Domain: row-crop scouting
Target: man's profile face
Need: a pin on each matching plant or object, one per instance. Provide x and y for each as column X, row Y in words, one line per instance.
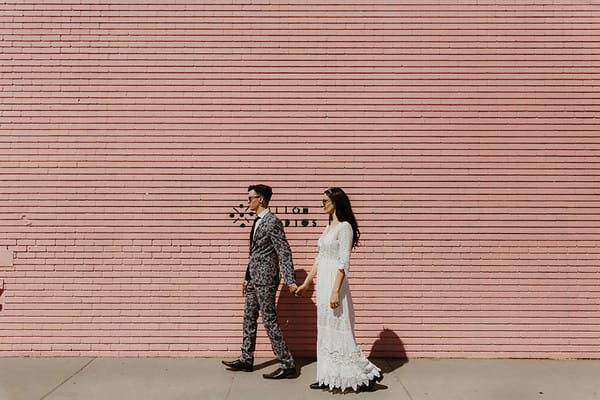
column 253, row 200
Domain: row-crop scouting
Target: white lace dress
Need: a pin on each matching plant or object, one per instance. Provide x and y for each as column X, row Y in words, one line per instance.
column 340, row 363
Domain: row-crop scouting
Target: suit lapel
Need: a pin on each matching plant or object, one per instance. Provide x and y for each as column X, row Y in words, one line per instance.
column 260, row 228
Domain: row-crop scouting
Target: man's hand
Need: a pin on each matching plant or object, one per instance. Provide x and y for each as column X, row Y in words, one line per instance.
column 244, row 285
column 293, row 287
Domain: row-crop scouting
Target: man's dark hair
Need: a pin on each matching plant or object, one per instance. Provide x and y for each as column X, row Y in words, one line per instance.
column 262, row 190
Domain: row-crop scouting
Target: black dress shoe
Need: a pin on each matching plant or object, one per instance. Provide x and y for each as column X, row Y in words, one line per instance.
column 288, row 373
column 371, row 385
column 237, row 365
column 318, row 385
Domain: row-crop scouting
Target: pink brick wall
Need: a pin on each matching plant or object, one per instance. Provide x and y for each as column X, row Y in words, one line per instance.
column 467, row 134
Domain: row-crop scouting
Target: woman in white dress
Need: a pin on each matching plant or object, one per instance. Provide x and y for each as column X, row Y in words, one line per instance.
column 340, row 362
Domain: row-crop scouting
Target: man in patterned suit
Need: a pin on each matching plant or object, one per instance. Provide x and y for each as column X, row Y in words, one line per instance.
column 268, row 248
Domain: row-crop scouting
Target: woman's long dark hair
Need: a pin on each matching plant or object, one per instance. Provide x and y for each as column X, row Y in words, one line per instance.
column 343, row 210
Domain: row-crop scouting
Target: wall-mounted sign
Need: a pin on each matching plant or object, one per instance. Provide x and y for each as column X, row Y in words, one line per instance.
column 290, row 216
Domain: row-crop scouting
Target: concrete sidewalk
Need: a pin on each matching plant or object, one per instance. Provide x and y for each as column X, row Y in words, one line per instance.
column 206, row 378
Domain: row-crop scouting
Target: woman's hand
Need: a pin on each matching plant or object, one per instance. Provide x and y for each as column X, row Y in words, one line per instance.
column 334, row 300
column 301, row 289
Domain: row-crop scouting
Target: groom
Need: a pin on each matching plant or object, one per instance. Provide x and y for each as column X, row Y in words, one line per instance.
column 268, row 248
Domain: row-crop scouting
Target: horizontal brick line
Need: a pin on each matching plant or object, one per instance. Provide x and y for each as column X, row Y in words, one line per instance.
column 357, row 277
column 356, row 110
column 170, row 110
column 361, row 275
column 241, row 98
column 103, row 216
column 188, row 231
column 300, row 20
column 407, row 198
column 200, row 313
column 88, row 103
column 226, row 182
column 205, row 26
column 180, row 226
column 426, row 283
column 354, row 3
column 307, row 14
column 51, row 189
column 293, row 54
column 53, row 193
column 400, row 40
column 118, row 143
column 322, row 80
column 578, row 132
column 438, row 138
column 356, row 44
column 263, row 98
column 524, row 31
column 245, row 69
column 193, row 189
column 354, row 6
column 119, row 301
column 375, row 214
column 296, row 54
column 201, row 235
column 341, row 46
column 404, row 168
column 149, row 151
column 171, row 140
column 410, row 265
column 397, row 41
column 416, row 9
column 360, row 284
column 79, row 329
column 126, row 157
column 317, row 89
column 128, row 118
column 243, row 61
column 306, row 88
column 131, row 158
column 404, row 304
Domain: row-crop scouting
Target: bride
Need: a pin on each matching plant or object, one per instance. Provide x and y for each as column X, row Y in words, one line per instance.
column 340, row 362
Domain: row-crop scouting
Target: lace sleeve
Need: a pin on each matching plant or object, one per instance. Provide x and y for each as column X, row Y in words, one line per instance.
column 346, row 234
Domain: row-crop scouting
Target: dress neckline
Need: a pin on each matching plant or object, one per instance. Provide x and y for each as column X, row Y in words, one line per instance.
column 330, row 228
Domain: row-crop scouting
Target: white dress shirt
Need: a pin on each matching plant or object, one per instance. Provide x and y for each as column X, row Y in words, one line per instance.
column 260, row 216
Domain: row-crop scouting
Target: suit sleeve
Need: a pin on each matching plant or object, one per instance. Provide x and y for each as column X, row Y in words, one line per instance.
column 284, row 252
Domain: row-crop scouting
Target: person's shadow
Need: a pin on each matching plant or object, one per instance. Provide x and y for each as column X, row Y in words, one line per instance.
column 388, row 353
column 298, row 321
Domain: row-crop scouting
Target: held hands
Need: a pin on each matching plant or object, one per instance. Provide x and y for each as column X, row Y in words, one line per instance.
column 293, row 288
column 334, row 300
column 301, row 289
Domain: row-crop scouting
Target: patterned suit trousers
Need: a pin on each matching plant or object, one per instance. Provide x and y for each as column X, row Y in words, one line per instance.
column 262, row 298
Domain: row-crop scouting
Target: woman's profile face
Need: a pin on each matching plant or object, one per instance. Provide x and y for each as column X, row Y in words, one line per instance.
column 328, row 206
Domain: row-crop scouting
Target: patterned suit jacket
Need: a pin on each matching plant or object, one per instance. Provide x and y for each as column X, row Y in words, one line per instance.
column 268, row 249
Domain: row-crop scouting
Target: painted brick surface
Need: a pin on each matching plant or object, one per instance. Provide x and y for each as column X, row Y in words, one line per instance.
column 466, row 133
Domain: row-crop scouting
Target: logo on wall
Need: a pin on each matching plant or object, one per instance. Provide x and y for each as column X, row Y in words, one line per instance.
column 241, row 215
column 290, row 216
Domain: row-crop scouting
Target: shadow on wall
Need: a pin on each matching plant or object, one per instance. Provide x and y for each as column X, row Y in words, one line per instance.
column 390, row 348
column 298, row 319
